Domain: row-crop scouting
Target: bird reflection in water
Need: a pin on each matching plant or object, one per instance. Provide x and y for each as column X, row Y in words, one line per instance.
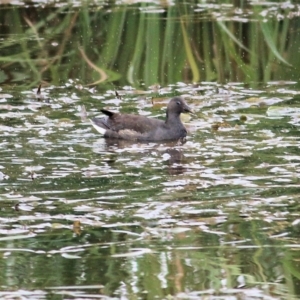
column 170, row 152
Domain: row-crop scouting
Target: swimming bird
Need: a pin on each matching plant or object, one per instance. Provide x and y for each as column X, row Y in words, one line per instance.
column 141, row 128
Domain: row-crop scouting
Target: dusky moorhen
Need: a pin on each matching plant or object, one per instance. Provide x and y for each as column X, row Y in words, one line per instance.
column 141, row 128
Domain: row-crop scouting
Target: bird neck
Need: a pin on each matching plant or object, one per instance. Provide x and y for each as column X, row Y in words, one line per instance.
column 173, row 118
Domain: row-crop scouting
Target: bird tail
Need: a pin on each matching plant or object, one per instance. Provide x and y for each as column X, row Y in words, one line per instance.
column 97, row 127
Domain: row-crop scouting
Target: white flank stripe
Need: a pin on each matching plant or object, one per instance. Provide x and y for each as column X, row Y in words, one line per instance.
column 98, row 128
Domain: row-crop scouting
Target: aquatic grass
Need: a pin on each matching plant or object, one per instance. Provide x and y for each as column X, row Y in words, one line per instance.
column 56, row 61
column 103, row 75
column 135, row 62
column 128, row 44
column 137, row 47
column 189, row 54
column 113, row 28
column 256, row 50
column 219, row 55
column 265, row 62
column 26, row 53
column 283, row 37
column 237, row 62
column 167, row 55
column 232, row 36
column 152, row 50
column 271, row 34
column 85, row 22
column 208, row 52
column 34, row 54
column 292, row 47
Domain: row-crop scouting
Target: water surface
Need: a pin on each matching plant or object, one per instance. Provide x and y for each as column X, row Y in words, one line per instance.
column 87, row 218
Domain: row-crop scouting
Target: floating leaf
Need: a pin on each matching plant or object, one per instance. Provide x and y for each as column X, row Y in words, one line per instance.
column 280, row 111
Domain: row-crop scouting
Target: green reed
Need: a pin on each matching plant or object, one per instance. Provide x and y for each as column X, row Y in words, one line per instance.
column 129, row 44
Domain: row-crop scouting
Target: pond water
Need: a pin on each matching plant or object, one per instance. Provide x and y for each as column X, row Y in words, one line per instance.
column 83, row 217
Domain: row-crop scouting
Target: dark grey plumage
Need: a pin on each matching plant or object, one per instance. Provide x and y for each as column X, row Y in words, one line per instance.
column 141, row 128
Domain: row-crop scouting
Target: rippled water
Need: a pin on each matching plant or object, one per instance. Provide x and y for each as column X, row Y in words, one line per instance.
column 83, row 216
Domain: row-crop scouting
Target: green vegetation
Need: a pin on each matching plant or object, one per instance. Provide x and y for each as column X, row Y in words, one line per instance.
column 131, row 44
column 215, row 217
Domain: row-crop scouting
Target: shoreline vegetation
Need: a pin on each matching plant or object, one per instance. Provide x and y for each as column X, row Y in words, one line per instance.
column 182, row 43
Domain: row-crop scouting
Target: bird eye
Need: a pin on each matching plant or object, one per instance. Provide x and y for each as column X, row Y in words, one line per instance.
column 178, row 103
